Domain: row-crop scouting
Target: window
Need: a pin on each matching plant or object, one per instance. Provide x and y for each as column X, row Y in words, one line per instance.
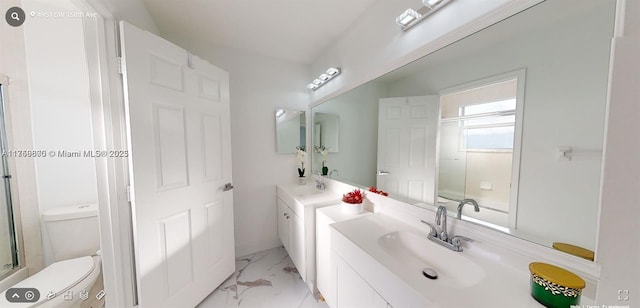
column 488, row 126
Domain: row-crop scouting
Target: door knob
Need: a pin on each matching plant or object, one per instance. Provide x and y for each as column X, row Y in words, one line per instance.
column 382, row 172
column 227, row 187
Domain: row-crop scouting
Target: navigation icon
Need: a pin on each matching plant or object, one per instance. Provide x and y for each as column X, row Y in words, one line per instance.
column 22, row 295
column 14, row 16
column 84, row 295
column 100, row 295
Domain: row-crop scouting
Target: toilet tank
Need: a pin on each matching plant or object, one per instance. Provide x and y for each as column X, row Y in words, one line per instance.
column 73, row 230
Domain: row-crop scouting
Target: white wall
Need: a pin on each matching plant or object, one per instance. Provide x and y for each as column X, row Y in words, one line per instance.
column 61, row 111
column 258, row 86
column 618, row 251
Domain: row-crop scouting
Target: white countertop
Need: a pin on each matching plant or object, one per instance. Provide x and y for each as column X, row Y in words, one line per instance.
column 307, row 195
column 336, row 213
column 503, row 282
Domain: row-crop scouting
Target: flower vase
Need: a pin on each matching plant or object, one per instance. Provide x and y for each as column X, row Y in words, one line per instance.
column 325, row 170
column 352, row 209
column 302, row 180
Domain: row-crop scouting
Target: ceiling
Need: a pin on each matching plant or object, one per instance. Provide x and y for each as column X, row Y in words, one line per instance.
column 293, row 30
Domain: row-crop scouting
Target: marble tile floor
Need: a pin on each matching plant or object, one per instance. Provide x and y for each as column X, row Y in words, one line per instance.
column 264, row 279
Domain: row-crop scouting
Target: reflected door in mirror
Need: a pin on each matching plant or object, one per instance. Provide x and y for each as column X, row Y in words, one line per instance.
column 407, row 132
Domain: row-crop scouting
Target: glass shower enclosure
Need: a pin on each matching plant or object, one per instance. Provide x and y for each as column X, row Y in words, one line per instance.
column 8, row 240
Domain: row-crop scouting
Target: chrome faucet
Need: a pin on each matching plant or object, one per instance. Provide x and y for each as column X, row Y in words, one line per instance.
column 467, row 201
column 319, row 183
column 441, row 219
column 442, row 238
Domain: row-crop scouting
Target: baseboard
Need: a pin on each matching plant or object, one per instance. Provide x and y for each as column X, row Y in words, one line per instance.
column 251, row 248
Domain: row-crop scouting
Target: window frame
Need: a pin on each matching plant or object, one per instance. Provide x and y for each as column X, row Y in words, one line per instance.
column 520, row 76
column 487, row 115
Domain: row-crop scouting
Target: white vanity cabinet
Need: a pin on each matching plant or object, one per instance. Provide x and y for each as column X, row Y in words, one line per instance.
column 325, row 258
column 352, row 290
column 297, row 206
column 291, row 233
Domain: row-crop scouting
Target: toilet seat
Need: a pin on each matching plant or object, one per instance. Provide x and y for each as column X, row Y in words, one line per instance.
column 58, row 277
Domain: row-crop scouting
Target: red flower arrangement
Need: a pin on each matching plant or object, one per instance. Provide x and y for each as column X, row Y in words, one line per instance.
column 374, row 190
column 353, row 197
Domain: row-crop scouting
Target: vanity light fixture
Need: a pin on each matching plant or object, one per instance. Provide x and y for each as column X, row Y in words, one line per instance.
column 411, row 17
column 332, row 71
column 325, row 77
column 406, row 18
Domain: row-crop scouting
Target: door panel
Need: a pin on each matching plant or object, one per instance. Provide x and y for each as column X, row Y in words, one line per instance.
column 407, row 135
column 177, row 111
column 170, row 152
column 176, row 233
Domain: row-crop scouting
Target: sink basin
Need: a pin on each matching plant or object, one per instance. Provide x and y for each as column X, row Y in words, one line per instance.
column 309, row 194
column 305, row 190
column 416, row 252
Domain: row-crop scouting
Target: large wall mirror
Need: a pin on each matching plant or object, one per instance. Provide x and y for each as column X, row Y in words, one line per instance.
column 512, row 117
column 291, row 130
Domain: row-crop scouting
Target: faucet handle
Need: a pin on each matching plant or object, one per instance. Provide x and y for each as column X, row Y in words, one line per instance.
column 461, row 237
column 457, row 241
column 434, row 231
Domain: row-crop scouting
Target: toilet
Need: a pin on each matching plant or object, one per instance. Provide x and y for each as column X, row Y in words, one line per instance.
column 74, row 237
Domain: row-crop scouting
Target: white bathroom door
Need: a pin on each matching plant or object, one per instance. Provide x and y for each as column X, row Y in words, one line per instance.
column 407, row 136
column 177, row 117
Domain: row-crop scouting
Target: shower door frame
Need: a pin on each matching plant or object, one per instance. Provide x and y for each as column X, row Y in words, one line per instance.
column 8, row 170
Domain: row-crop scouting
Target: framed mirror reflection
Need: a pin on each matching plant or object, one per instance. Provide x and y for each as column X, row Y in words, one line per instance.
column 512, row 117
